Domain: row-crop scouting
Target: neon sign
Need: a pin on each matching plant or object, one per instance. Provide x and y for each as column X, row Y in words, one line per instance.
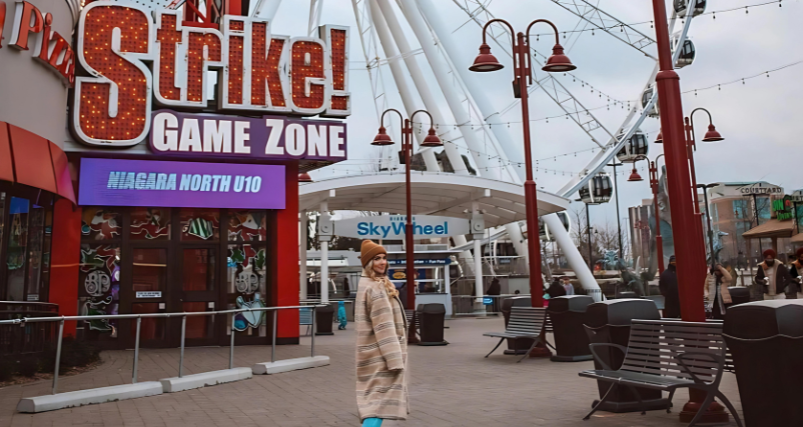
column 257, row 70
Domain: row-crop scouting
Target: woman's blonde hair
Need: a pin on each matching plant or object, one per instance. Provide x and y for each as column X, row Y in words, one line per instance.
column 369, row 272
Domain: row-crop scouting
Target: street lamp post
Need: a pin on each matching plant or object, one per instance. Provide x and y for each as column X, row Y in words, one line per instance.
column 618, row 220
column 634, row 176
column 705, row 188
column 558, row 62
column 431, row 140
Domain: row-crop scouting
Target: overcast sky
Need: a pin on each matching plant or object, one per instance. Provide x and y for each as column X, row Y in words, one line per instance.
column 760, row 119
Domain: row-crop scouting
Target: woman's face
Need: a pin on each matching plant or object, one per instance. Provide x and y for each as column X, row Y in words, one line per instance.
column 380, row 264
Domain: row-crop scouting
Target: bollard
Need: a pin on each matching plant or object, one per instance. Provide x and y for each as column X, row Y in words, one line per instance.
column 181, row 356
column 58, row 357
column 273, row 344
column 313, row 333
column 231, row 346
column 136, row 352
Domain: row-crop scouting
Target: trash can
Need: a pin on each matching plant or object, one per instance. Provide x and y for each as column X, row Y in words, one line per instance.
column 609, row 322
column 764, row 338
column 431, row 320
column 739, row 295
column 324, row 316
column 519, row 346
column 567, row 313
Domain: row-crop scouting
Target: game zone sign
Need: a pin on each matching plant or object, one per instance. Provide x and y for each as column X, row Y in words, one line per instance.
column 134, row 55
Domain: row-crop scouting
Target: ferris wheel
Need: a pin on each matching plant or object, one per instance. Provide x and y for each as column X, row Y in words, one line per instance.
column 476, row 125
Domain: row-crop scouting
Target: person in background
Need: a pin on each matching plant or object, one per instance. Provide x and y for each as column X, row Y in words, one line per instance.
column 341, row 315
column 346, row 288
column 517, row 292
column 668, row 285
column 555, row 290
column 796, row 269
column 494, row 291
column 716, row 290
column 774, row 277
column 567, row 285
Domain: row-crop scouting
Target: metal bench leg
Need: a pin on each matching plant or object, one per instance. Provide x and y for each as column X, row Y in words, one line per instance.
column 601, row 401
column 709, row 397
column 669, row 401
column 638, row 397
column 730, row 407
column 497, row 346
column 535, row 343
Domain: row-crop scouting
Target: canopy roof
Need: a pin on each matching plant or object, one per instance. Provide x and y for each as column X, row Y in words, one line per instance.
column 771, row 228
column 797, row 238
column 443, row 194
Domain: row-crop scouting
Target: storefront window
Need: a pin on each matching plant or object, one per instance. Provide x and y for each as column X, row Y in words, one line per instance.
column 150, row 224
column 246, row 278
column 247, row 226
column 35, row 251
column 17, row 247
column 200, row 224
column 149, row 270
column 199, row 270
column 99, row 285
column 198, row 326
column 100, row 224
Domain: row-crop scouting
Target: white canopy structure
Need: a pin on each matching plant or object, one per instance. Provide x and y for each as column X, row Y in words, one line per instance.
column 442, row 194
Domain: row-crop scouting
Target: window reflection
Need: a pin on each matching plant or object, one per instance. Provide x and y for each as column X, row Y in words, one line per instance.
column 17, row 247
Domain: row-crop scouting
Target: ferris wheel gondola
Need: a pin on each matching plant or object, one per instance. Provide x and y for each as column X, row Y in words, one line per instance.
column 645, row 99
column 598, row 190
column 681, row 7
column 634, row 149
column 543, row 229
column 687, row 52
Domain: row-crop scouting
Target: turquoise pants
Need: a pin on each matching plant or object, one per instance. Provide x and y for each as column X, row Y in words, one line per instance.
column 372, row 422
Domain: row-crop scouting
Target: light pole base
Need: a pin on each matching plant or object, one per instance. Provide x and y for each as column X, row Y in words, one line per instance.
column 714, row 414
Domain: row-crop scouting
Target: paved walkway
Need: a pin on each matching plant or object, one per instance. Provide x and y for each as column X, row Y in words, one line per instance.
column 451, row 386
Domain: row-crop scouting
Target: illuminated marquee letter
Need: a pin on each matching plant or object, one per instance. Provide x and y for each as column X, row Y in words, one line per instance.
column 113, row 108
column 253, row 79
column 310, row 93
column 337, row 44
column 182, row 62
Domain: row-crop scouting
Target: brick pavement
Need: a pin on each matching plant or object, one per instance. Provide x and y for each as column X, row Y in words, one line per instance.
column 451, row 386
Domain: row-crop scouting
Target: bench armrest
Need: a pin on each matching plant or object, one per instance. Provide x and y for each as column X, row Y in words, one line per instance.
column 719, row 360
column 593, row 346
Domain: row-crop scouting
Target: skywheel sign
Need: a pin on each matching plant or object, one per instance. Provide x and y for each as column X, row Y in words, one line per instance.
column 392, row 227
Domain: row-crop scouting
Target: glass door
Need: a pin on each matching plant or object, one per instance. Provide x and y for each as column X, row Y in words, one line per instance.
column 198, row 270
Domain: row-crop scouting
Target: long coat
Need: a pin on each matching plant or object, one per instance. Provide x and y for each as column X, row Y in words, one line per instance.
column 381, row 353
column 668, row 284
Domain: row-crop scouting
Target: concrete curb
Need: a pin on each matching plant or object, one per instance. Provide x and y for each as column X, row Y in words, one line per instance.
column 288, row 365
column 88, row 397
column 189, row 382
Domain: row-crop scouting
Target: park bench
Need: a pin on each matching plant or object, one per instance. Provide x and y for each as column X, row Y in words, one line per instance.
column 667, row 355
column 525, row 322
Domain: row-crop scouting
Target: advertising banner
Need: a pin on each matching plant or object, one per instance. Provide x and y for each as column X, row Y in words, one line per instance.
column 392, row 227
column 111, row 182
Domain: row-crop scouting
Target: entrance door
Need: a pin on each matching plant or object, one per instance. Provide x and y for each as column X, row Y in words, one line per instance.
column 149, row 279
column 199, row 292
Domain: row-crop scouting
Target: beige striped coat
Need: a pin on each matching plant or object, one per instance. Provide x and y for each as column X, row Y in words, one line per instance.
column 381, row 353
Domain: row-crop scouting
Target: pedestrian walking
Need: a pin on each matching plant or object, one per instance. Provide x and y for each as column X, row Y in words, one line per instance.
column 341, row 316
column 774, row 277
column 668, row 285
column 494, row 291
column 555, row 289
column 716, row 290
column 381, row 342
column 567, row 285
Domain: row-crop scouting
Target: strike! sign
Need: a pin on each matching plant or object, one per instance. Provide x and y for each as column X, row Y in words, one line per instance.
column 134, row 55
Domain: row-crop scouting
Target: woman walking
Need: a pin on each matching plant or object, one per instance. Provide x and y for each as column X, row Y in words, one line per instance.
column 381, row 342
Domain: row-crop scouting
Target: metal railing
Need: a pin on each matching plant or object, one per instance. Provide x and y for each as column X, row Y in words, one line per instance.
column 15, row 340
column 61, row 319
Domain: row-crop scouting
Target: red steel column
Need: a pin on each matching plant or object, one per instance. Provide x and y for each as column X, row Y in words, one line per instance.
column 286, row 286
column 65, row 257
column 687, row 240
